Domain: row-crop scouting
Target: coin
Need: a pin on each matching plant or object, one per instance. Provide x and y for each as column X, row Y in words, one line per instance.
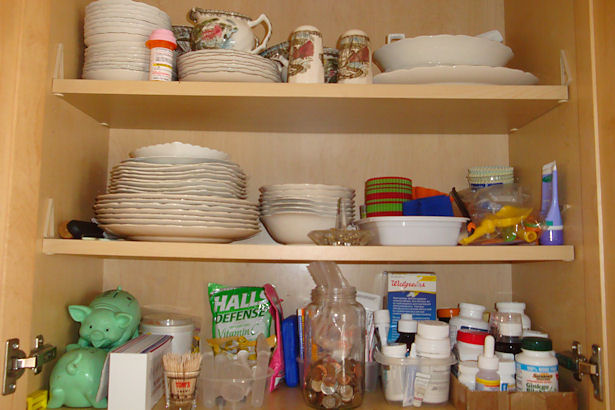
column 317, row 373
column 316, row 385
column 328, row 385
column 346, row 393
column 343, row 378
column 330, row 402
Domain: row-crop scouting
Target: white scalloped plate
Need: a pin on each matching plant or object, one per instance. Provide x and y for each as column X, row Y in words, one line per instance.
column 173, row 233
column 458, row 74
column 178, row 149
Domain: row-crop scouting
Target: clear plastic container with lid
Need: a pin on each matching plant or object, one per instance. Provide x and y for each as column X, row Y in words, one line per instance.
column 536, row 366
column 181, row 327
column 437, row 389
column 515, row 307
column 508, row 335
column 470, row 317
column 334, row 365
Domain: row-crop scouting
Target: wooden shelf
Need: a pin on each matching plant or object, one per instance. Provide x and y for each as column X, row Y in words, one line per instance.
column 342, row 108
column 306, row 253
column 285, row 398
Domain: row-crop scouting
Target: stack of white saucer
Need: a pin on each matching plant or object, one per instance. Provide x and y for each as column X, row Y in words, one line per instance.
column 227, row 65
column 115, row 33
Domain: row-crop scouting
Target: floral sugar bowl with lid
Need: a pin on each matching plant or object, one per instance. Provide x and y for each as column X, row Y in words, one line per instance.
column 216, row 29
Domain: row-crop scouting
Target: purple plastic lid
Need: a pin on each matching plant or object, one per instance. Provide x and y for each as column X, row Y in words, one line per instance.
column 164, row 35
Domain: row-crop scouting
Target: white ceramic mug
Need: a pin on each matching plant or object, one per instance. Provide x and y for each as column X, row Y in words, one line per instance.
column 355, row 58
column 305, row 56
column 225, row 29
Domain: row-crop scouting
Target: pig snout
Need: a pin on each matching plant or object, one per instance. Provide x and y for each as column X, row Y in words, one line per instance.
column 98, row 338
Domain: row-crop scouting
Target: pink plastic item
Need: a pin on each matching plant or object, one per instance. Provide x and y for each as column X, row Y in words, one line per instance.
column 277, row 359
column 163, row 35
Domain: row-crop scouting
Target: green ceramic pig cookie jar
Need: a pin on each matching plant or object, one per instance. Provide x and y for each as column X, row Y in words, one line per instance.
column 108, row 322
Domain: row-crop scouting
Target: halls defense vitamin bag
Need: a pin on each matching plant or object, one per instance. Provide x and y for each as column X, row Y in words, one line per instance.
column 240, row 311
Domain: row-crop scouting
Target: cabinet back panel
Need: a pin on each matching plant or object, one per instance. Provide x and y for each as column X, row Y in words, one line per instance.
column 376, row 18
column 435, row 161
column 347, row 159
column 182, row 286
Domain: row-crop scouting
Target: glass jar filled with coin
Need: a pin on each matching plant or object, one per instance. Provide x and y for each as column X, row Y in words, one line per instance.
column 334, row 370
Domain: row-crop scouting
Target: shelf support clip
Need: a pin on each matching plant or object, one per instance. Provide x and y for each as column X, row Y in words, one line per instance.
column 49, row 231
column 564, row 67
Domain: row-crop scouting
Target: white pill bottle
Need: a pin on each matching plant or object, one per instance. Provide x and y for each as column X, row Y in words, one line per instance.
column 536, row 366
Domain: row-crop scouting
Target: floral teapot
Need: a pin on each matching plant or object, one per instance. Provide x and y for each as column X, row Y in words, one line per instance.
column 227, row 30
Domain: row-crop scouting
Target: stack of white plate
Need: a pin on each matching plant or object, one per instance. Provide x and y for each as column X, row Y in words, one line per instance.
column 115, row 33
column 291, row 211
column 226, row 65
column 187, row 176
column 177, row 192
column 176, row 218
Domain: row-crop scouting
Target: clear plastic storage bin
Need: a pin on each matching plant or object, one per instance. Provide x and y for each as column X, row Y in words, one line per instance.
column 399, row 374
column 232, row 393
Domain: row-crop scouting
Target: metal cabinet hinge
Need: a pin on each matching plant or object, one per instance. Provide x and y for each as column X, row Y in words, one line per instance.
column 575, row 361
column 16, row 362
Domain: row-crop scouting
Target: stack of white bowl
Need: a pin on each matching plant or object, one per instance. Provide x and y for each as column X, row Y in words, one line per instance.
column 115, row 33
column 227, row 65
column 448, row 58
column 291, row 211
column 177, row 192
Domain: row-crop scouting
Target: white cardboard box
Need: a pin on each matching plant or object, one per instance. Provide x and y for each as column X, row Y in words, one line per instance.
column 135, row 373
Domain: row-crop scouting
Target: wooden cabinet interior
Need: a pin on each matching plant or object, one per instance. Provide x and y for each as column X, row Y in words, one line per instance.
column 77, row 152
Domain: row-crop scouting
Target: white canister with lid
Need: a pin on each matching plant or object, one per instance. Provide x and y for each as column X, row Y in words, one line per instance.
column 392, row 375
column 515, row 307
column 470, row 317
column 535, row 333
column 181, row 327
column 506, row 371
column 467, row 373
column 469, row 344
column 432, row 343
column 432, row 339
column 536, row 368
column 432, row 329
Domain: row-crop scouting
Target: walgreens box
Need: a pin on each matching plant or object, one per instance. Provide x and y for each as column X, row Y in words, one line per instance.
column 410, row 292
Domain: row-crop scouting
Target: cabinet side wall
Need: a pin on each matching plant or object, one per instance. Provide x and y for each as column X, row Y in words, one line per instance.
column 604, row 32
column 562, row 298
column 21, row 115
column 73, row 172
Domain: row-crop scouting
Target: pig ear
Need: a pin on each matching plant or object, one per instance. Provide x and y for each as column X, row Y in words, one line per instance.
column 79, row 312
column 123, row 319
